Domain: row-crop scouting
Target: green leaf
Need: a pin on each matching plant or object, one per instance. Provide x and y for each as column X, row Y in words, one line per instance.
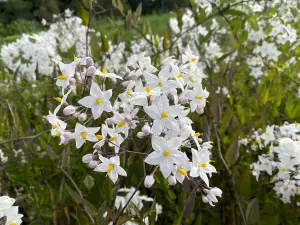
column 74, row 195
column 179, row 17
column 252, row 212
column 90, row 207
column 233, row 152
column 104, row 42
column 234, row 12
column 89, row 182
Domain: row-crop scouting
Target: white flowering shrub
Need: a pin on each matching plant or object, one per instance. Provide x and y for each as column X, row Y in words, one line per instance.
column 8, row 213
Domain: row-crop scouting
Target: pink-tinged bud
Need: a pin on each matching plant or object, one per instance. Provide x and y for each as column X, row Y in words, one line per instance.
column 75, row 115
column 149, row 181
column 110, row 121
column 183, row 100
column 89, row 62
column 87, row 158
column 82, row 117
column 69, row 110
column 72, row 81
column 146, row 129
column 204, row 199
column 140, row 135
column 93, row 164
column 172, row 180
column 90, row 71
column 68, row 136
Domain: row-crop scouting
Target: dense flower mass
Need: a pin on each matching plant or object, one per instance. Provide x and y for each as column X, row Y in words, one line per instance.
column 156, row 103
column 279, row 157
column 8, row 213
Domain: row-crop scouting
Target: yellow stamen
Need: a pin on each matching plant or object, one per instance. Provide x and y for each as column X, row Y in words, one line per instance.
column 296, row 125
column 164, row 115
column 160, row 84
column 199, row 97
column 83, row 135
column 121, row 124
column 197, row 134
column 113, row 139
column 58, row 99
column 12, row 223
column 192, row 79
column 193, row 59
column 182, row 171
column 148, row 89
column 297, row 190
column 179, row 75
column 265, row 163
column 129, row 92
column 99, row 137
column 167, row 153
column 54, row 126
column 59, row 133
column 282, row 169
column 110, row 168
column 104, row 70
column 99, row 101
column 203, row 165
column 62, row 77
column 75, row 58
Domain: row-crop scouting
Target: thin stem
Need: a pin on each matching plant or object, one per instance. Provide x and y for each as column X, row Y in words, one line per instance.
column 236, row 195
column 25, row 138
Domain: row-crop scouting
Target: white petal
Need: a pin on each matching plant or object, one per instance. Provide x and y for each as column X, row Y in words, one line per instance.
column 113, row 175
column 95, row 90
column 87, row 101
column 97, row 111
column 171, row 123
column 157, row 127
column 154, row 158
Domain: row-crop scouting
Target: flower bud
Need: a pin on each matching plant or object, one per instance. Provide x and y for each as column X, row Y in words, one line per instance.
column 140, row 135
column 128, row 119
column 68, row 136
column 69, row 110
column 149, row 181
column 90, row 71
column 183, row 100
column 72, row 81
column 82, row 117
column 204, row 199
column 172, row 180
column 89, row 62
column 87, row 158
column 93, row 164
column 146, row 129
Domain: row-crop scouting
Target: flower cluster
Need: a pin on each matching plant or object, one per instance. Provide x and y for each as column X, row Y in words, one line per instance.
column 279, row 157
column 144, row 101
column 8, row 213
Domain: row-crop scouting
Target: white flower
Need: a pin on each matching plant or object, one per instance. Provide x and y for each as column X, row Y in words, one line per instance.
column 165, row 154
column 180, row 170
column 197, row 97
column 83, row 133
column 111, row 167
column 9, row 211
column 201, row 165
column 105, row 74
column 212, row 195
column 163, row 115
column 98, row 101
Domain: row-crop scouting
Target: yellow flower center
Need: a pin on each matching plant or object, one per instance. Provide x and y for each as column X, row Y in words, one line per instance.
column 58, row 99
column 104, row 70
column 265, row 163
column 99, row 101
column 193, row 59
column 282, row 169
column 167, row 153
column 62, row 77
column 199, row 97
column 297, row 190
column 12, row 223
column 113, row 139
column 296, row 124
column 192, row 79
column 202, row 165
column 59, row 133
column 197, row 134
column 75, row 58
column 54, row 126
column 182, row 171
column 110, row 168
column 129, row 92
column 121, row 124
column 164, row 115
column 99, row 137
column 160, row 84
column 179, row 75
column 148, row 89
column 83, row 135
